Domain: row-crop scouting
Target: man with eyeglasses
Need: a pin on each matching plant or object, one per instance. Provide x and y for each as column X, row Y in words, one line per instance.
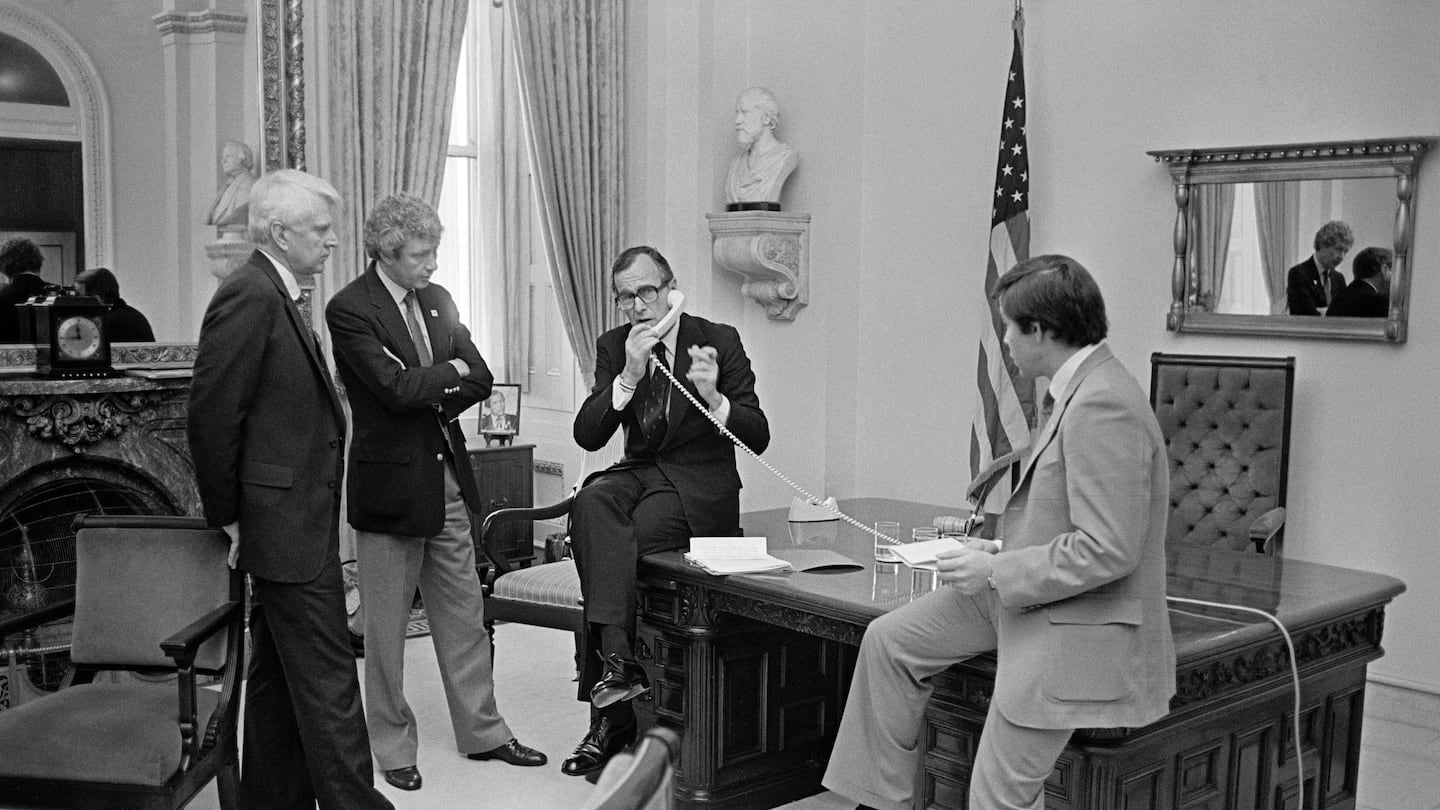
column 677, row 479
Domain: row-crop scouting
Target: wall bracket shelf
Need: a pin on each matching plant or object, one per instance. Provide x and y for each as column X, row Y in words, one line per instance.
column 770, row 250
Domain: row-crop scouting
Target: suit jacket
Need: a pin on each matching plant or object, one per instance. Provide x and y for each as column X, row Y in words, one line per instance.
column 1304, row 294
column 403, row 415
column 266, row 427
column 1360, row 300
column 1083, row 629
column 127, row 324
column 20, row 289
column 696, row 457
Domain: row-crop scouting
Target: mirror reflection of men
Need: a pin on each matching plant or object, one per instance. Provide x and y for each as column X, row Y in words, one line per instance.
column 1368, row 296
column 20, row 263
column 1311, row 285
column 229, row 211
column 758, row 173
column 495, row 419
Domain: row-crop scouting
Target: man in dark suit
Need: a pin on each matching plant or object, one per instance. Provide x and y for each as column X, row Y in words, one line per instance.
column 1368, row 296
column 20, row 263
column 410, row 369
column 1311, row 285
column 677, row 479
column 266, row 432
column 1071, row 594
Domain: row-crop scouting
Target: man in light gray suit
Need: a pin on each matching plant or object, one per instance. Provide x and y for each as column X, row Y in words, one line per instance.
column 1072, row 596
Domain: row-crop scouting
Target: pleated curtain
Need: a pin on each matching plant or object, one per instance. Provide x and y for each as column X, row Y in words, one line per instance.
column 1216, row 203
column 393, row 67
column 1277, row 221
column 571, row 60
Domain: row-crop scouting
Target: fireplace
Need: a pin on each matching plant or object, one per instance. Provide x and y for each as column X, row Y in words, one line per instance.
column 69, row 447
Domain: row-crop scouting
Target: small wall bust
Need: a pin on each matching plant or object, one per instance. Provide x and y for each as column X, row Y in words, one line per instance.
column 231, row 209
column 758, row 173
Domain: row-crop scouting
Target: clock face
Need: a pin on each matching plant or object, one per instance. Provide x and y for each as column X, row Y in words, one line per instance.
column 78, row 337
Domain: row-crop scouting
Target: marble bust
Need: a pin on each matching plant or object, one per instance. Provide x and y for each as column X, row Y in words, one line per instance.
column 231, row 209
column 758, row 173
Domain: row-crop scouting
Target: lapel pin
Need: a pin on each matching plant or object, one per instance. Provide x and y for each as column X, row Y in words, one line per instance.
column 434, row 314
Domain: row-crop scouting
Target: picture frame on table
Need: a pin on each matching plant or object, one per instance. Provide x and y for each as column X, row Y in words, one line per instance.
column 500, row 414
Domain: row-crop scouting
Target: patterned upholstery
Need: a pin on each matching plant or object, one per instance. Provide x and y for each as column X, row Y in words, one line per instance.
column 1226, row 422
column 554, row 583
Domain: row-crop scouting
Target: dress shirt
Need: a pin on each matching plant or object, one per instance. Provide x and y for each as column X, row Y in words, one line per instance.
column 1067, row 369
column 398, row 294
column 620, row 397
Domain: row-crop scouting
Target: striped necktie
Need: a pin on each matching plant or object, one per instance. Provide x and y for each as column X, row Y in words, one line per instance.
column 412, row 320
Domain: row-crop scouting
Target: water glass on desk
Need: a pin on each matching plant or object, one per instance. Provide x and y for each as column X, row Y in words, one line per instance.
column 885, row 549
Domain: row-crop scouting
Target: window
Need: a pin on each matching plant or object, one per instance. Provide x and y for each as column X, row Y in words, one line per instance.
column 485, row 137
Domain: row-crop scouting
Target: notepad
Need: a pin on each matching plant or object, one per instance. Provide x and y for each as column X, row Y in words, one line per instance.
column 924, row 553
column 732, row 555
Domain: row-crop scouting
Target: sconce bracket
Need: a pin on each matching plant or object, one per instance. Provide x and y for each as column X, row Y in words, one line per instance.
column 770, row 250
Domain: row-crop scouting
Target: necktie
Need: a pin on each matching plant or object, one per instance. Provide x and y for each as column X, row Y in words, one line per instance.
column 412, row 320
column 653, row 420
column 1047, row 406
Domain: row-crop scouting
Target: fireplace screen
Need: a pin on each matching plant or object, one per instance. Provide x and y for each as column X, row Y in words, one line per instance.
column 37, row 568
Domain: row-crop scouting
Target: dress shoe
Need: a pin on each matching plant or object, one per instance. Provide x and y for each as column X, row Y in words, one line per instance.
column 407, row 778
column 606, row 738
column 622, row 679
column 513, row 753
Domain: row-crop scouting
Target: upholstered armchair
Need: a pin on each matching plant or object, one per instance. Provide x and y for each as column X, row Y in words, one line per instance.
column 1226, row 422
column 147, row 714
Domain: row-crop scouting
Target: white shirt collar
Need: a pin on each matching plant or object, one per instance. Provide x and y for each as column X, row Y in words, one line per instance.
column 396, row 291
column 1067, row 370
column 292, row 287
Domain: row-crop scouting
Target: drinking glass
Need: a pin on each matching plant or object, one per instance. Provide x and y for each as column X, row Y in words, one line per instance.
column 884, row 550
column 923, row 533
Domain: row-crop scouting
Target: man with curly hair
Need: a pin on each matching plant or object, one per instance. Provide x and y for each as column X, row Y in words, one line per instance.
column 20, row 263
column 410, row 369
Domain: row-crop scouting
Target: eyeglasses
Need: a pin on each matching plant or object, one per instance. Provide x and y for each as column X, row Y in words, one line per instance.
column 646, row 294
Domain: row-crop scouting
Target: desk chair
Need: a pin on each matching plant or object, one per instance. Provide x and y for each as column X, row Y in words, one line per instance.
column 1226, row 422
column 639, row 780
column 147, row 714
column 546, row 595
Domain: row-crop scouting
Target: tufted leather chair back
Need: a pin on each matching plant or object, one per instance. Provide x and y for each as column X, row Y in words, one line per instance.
column 1226, row 422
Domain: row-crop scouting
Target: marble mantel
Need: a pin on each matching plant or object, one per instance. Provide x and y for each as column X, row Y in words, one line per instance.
column 125, row 430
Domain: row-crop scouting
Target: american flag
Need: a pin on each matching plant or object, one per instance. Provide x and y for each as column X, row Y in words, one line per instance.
column 1006, row 410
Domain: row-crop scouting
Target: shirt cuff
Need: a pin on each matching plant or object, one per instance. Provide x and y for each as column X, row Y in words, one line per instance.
column 619, row 395
column 460, row 366
column 722, row 413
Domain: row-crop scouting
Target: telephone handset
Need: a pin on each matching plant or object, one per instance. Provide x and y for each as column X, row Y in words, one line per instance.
column 676, row 299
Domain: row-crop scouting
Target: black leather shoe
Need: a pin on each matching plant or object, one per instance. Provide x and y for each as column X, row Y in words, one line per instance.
column 606, row 739
column 407, row 778
column 513, row 753
column 623, row 679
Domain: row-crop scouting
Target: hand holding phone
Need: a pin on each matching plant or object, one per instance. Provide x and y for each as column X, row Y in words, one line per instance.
column 676, row 299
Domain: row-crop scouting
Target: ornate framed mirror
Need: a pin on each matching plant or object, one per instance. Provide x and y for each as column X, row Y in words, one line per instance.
column 281, row 125
column 1251, row 225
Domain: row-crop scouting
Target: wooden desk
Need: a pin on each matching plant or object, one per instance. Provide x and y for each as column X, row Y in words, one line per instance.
column 754, row 671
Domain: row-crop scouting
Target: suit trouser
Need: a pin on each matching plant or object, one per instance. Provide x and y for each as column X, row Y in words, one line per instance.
column 877, row 751
column 305, row 737
column 619, row 516
column 443, row 567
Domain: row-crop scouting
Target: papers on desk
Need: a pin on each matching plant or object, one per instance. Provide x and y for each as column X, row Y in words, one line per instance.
column 732, row 555
column 923, row 554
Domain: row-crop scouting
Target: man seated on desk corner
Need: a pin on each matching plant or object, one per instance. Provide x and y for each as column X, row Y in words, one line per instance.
column 1073, row 601
column 677, row 478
